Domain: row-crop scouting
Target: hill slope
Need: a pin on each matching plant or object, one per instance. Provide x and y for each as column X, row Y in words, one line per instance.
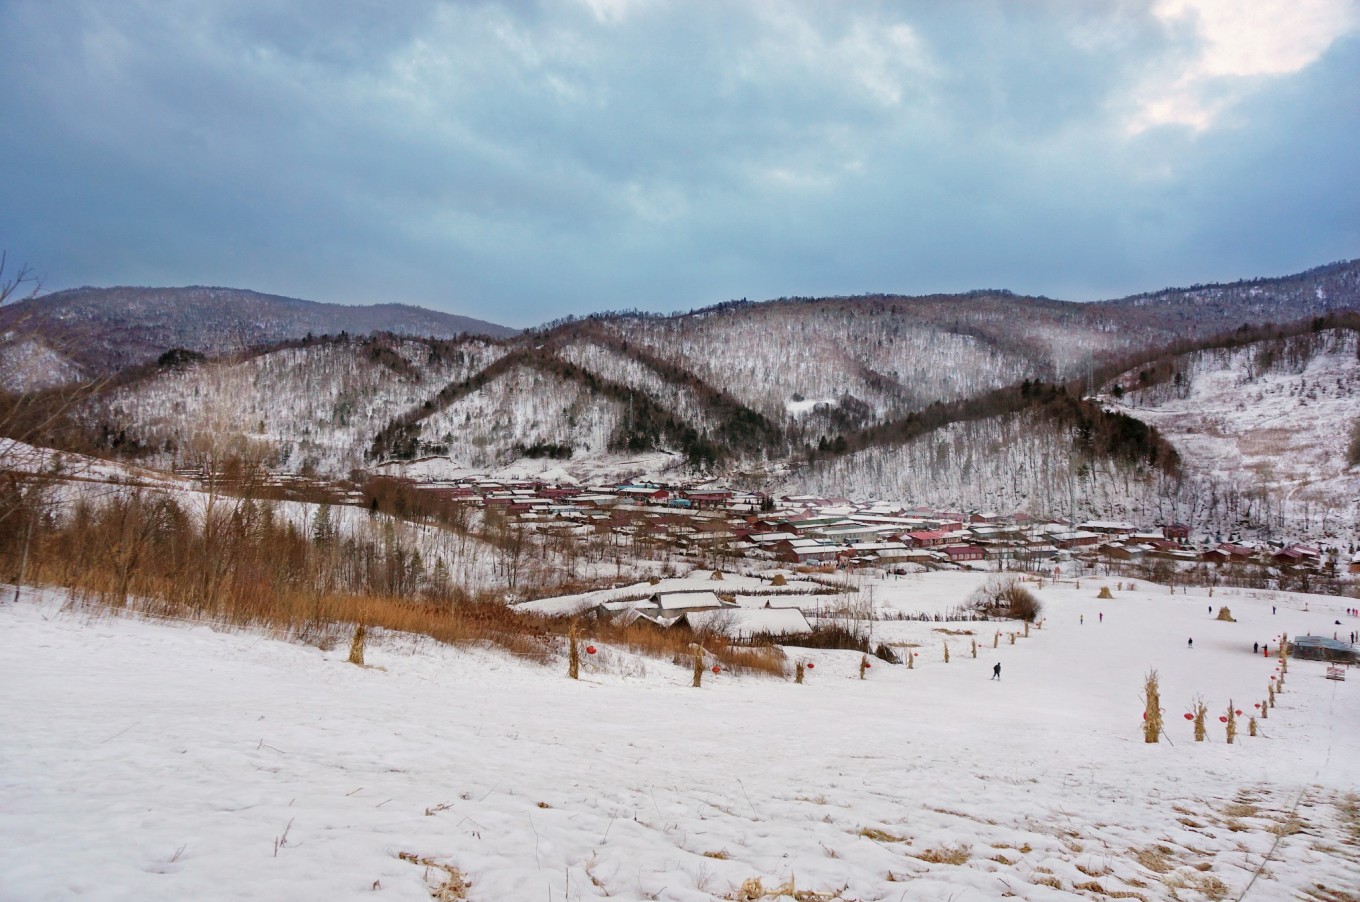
column 383, row 781
column 1268, row 423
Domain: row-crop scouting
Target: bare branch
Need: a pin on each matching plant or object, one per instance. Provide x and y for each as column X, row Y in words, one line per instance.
column 24, row 285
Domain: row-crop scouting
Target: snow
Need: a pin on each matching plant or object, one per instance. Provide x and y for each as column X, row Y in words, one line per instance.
column 799, row 408
column 29, row 364
column 1279, row 424
column 153, row 760
column 696, row 582
column 22, row 457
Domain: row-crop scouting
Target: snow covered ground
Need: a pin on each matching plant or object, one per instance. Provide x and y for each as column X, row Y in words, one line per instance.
column 146, row 760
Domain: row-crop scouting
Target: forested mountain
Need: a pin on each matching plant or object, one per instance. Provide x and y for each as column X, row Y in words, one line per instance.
column 830, row 364
column 985, row 399
column 317, row 404
column 1256, row 437
column 95, row 331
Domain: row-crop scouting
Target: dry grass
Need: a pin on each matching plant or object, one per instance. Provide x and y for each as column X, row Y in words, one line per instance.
column 754, row 890
column 1207, row 884
column 1157, row 859
column 1241, row 809
column 449, row 885
column 643, row 638
column 1287, row 827
column 1047, row 880
column 1152, row 708
column 878, row 835
column 963, row 814
column 1092, row 886
column 249, row 567
column 720, row 855
column 356, row 645
column 950, row 854
column 1348, row 808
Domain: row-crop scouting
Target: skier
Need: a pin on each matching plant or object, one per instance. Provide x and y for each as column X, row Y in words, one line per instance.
column 996, row 671
column 1190, row 643
column 1255, row 647
column 1102, row 616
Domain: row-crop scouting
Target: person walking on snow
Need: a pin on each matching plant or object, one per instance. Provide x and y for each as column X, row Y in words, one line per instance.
column 996, row 671
column 1191, row 643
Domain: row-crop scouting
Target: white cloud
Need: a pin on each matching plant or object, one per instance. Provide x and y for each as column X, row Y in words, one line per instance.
column 1236, row 45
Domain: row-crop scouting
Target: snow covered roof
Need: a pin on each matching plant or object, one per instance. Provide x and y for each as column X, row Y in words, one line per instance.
column 679, row 601
column 1107, row 526
column 1321, row 642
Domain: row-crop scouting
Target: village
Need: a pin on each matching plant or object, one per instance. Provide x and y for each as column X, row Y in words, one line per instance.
column 712, row 524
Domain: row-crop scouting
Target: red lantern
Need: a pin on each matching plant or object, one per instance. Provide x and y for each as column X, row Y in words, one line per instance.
column 810, row 665
column 1256, row 705
column 590, row 649
column 1144, row 715
column 1222, row 719
column 867, row 665
column 1238, row 712
column 1188, row 716
column 717, row 669
column 1272, row 676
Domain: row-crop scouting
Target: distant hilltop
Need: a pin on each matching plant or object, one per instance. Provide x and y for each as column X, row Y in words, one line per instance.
column 100, row 330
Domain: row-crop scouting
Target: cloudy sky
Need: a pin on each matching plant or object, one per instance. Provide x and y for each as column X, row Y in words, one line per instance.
column 521, row 161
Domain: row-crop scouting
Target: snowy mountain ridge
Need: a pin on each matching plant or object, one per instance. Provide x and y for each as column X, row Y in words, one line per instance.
column 962, row 401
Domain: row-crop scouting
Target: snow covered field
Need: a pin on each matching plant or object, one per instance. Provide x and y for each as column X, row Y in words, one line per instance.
column 143, row 760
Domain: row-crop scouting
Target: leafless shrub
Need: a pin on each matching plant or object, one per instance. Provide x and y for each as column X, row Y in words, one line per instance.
column 1006, row 596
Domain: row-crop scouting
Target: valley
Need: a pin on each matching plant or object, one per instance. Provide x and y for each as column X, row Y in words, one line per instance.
column 770, row 519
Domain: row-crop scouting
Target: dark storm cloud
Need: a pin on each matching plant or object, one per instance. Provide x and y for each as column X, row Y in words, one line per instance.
column 522, row 161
